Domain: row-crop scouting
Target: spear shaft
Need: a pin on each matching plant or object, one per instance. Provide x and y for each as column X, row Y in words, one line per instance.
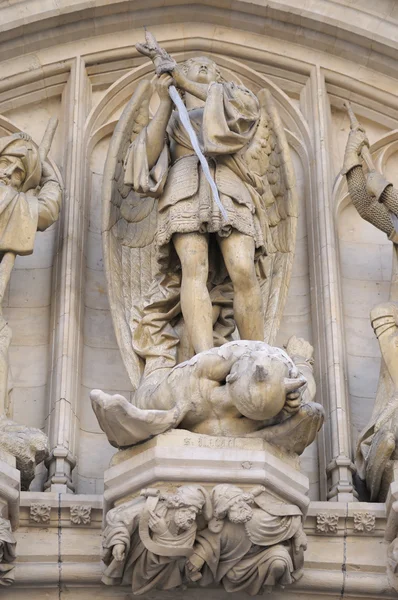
column 354, row 124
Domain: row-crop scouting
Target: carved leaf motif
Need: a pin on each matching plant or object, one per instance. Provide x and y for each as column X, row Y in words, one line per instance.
column 364, row 522
column 80, row 514
column 326, row 523
column 40, row 513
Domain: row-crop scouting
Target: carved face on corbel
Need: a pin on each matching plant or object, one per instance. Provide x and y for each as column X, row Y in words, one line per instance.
column 240, row 512
column 232, row 502
column 12, row 171
column 185, row 517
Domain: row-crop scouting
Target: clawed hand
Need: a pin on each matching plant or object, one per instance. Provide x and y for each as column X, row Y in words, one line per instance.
column 292, row 404
column 299, row 347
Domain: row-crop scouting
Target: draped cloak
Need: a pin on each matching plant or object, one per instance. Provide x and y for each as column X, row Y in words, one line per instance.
column 142, row 569
column 240, row 557
column 24, row 212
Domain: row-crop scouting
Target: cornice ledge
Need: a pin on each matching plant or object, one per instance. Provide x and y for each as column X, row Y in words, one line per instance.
column 359, row 24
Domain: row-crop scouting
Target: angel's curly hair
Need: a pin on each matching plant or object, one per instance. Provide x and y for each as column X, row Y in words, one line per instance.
column 186, row 65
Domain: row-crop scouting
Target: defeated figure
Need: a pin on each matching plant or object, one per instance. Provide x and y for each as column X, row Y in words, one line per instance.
column 243, row 388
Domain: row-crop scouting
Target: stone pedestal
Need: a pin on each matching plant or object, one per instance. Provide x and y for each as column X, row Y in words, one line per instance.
column 9, row 489
column 181, row 458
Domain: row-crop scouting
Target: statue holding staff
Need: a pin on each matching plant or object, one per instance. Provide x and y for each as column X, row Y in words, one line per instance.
column 219, row 258
column 376, row 200
column 30, row 201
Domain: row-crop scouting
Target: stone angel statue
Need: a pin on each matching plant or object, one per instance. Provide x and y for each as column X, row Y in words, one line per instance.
column 180, row 275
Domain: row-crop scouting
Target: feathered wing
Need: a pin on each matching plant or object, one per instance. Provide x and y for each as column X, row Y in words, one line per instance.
column 129, row 226
column 268, row 157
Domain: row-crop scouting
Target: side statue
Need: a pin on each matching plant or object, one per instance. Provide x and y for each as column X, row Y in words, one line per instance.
column 376, row 200
column 240, row 539
column 7, row 553
column 30, row 201
column 182, row 275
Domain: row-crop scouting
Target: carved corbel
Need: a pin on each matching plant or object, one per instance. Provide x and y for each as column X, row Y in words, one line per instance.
column 219, row 537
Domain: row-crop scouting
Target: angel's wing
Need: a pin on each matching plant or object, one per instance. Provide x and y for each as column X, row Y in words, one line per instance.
column 268, row 156
column 129, row 226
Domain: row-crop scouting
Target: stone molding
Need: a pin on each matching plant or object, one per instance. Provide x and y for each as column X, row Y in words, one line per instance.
column 165, row 458
column 325, row 24
column 66, row 510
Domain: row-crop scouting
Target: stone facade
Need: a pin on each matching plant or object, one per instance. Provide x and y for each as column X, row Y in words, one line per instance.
column 78, row 62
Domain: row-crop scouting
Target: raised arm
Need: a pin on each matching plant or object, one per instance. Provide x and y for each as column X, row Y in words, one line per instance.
column 49, row 198
column 156, row 130
column 368, row 206
column 367, row 201
column 164, row 63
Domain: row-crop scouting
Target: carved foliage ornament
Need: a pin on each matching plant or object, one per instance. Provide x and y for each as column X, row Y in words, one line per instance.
column 240, row 539
column 327, row 523
column 80, row 514
column 40, row 512
column 364, row 522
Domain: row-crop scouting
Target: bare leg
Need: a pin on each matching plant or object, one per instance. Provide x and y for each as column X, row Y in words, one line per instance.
column 192, row 250
column 238, row 252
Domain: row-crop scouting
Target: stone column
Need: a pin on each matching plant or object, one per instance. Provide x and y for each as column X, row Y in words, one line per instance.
column 68, row 290
column 327, row 299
